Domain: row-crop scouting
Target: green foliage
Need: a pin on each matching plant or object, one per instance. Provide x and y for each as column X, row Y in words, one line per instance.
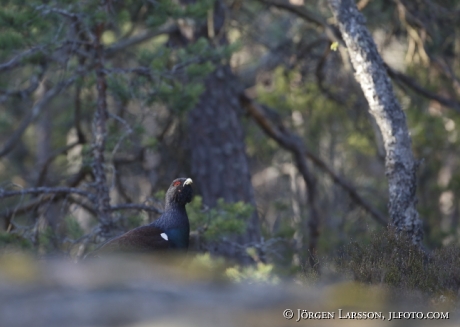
column 147, row 79
column 5, row 121
column 160, row 195
column 14, row 241
column 225, row 218
column 119, row 87
column 204, row 260
column 117, row 137
column 86, row 155
column 165, row 9
column 178, row 97
column 46, row 240
column 150, row 143
column 73, row 228
column 123, row 16
column 169, row 68
column 260, row 273
column 285, row 230
column 158, row 61
column 199, row 70
column 21, row 25
column 133, row 221
column 94, row 13
column 289, row 94
column 198, row 9
column 10, row 39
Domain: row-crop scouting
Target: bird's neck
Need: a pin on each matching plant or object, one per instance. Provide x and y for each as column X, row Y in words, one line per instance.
column 173, row 206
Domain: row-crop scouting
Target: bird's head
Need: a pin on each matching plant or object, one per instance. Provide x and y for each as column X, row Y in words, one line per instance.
column 180, row 192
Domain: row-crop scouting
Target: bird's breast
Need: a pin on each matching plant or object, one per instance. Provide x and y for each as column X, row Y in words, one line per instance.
column 178, row 237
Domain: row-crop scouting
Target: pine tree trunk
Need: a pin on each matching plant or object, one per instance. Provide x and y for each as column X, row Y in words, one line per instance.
column 218, row 156
column 371, row 74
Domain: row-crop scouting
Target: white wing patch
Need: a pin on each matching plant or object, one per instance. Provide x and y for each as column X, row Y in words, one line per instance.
column 164, row 236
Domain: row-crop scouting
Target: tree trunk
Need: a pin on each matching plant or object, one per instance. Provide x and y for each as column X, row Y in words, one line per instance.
column 218, row 155
column 102, row 201
column 219, row 164
column 371, row 74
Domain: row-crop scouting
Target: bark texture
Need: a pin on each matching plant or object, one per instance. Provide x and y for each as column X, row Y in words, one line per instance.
column 371, row 74
column 220, row 167
column 218, row 155
column 102, row 202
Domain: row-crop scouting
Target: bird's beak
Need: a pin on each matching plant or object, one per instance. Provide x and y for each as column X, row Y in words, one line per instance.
column 188, row 181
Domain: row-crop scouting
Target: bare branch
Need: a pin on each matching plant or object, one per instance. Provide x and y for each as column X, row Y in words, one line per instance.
column 128, row 131
column 77, row 115
column 320, row 78
column 134, row 206
column 448, row 72
column 46, row 190
column 275, row 129
column 73, row 182
column 332, row 33
column 410, row 82
column 45, row 9
column 33, row 205
column 119, row 185
column 138, row 39
column 8, row 213
column 16, row 60
column 334, row 36
column 84, row 204
column 49, row 160
column 294, row 144
column 33, row 114
column 24, row 93
column 128, row 159
column 351, row 190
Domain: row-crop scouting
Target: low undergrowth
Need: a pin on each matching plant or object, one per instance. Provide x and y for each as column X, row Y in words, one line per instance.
column 391, row 259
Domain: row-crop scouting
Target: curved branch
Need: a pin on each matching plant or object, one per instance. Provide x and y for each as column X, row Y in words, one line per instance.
column 33, row 114
column 82, row 204
column 294, row 144
column 34, row 82
column 275, row 130
column 134, row 206
column 331, row 31
column 351, row 190
column 49, row 160
column 138, row 39
column 46, row 190
column 334, row 35
column 15, row 61
column 410, row 82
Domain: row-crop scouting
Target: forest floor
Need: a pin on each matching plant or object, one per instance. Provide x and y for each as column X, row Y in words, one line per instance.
column 146, row 291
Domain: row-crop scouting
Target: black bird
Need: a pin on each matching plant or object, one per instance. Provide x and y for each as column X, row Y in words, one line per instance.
column 170, row 231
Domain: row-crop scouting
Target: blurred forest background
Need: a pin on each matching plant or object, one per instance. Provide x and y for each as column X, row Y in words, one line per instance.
column 103, row 104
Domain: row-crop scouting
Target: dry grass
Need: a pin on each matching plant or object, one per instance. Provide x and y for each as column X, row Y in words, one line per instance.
column 392, row 260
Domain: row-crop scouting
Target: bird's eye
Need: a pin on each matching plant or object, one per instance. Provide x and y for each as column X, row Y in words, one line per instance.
column 176, row 183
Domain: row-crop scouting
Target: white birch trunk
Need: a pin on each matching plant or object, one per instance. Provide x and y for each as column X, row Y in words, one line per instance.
column 371, row 74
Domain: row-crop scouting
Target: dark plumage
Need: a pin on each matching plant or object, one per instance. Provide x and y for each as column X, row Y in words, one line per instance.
column 170, row 231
